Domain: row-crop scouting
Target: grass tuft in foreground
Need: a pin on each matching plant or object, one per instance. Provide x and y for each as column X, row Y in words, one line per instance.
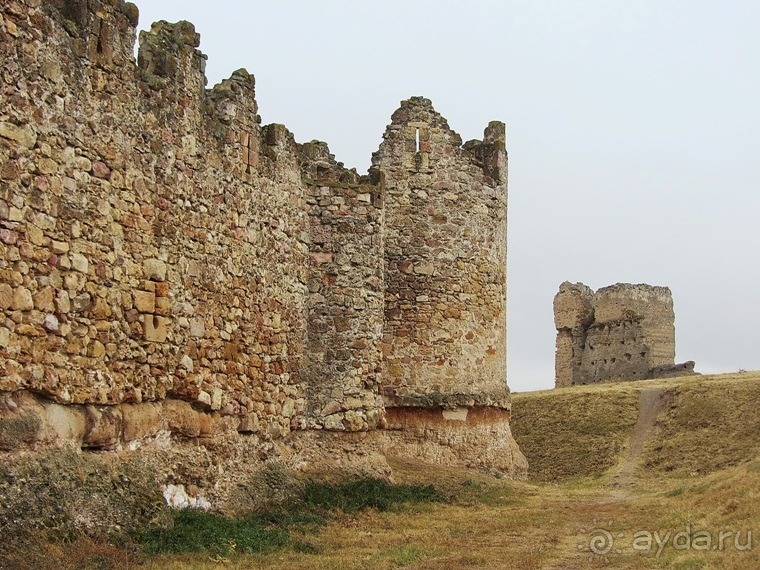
column 195, row 530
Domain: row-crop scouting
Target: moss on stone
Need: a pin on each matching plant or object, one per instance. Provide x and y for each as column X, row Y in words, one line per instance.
column 16, row 431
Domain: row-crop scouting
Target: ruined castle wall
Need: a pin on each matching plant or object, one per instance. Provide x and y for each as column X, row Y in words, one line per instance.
column 345, row 306
column 445, row 261
column 174, row 276
column 654, row 307
column 621, row 332
column 153, row 236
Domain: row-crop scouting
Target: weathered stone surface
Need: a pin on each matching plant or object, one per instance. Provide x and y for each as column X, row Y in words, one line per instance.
column 22, row 300
column 144, row 301
column 79, row 263
column 621, row 332
column 24, row 135
column 155, row 328
column 481, row 438
column 6, row 296
column 154, row 269
column 158, row 242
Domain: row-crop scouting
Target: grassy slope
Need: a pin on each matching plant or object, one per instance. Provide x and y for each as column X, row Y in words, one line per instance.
column 573, row 432
column 701, row 471
column 711, row 424
column 707, row 423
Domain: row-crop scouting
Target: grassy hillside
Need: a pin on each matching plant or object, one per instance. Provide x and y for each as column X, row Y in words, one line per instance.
column 573, row 432
column 706, row 423
column 710, row 424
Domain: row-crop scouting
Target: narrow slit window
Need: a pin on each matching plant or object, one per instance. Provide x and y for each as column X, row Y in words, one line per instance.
column 417, row 140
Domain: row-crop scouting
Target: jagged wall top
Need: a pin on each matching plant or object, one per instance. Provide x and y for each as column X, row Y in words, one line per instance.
column 419, row 137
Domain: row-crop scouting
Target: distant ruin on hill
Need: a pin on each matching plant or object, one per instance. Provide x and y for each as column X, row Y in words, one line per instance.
column 621, row 332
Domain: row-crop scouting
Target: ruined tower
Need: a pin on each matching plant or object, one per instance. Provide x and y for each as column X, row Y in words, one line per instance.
column 621, row 332
column 444, row 335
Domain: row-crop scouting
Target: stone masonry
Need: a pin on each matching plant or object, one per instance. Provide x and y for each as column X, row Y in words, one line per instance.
column 621, row 332
column 174, row 273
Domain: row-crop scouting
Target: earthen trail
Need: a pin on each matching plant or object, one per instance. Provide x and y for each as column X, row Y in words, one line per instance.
column 650, row 403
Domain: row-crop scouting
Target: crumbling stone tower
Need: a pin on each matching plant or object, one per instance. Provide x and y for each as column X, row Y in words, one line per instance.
column 621, row 332
column 444, row 335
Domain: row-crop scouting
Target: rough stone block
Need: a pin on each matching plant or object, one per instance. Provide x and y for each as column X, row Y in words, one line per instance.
column 79, row 263
column 155, row 328
column 154, row 270
column 6, row 296
column 22, row 300
column 144, row 301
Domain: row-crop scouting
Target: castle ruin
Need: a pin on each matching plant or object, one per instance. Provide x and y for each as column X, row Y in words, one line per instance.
column 620, row 332
column 175, row 276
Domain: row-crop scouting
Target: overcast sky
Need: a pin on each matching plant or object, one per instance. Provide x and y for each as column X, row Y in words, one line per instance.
column 632, row 130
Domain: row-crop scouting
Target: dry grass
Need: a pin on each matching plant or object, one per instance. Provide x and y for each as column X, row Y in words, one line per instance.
column 573, row 433
column 496, row 523
column 712, row 423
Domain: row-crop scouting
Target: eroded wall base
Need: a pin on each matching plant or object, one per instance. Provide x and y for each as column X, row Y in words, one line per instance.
column 200, row 458
column 477, row 437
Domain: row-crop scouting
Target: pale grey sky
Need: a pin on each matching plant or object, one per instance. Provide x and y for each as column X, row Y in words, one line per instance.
column 632, row 128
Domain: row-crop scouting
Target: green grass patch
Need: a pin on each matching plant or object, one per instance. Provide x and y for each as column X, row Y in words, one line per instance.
column 195, row 530
column 357, row 494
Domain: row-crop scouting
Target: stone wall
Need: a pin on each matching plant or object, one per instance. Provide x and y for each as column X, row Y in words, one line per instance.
column 345, row 304
column 621, row 332
column 146, row 257
column 445, row 273
column 173, row 273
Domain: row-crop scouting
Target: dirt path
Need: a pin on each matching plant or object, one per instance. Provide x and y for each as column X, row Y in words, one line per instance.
column 650, row 403
column 619, row 489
